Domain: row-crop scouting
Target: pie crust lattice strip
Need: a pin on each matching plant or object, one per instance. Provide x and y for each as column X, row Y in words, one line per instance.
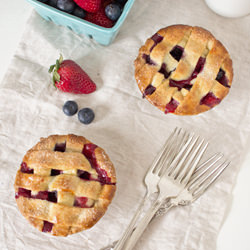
column 65, row 184
column 183, row 70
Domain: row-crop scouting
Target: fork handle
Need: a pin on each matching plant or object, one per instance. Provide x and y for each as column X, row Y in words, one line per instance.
column 131, row 226
column 136, row 234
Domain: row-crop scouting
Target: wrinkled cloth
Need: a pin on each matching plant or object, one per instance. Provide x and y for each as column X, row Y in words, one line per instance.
column 129, row 128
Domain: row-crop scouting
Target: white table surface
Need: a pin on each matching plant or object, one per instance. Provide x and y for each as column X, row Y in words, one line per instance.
column 234, row 234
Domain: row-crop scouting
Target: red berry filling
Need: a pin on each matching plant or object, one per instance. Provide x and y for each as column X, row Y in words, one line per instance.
column 61, row 147
column 222, row 79
column 149, row 90
column 47, row 226
column 55, row 172
column 26, row 169
column 148, row 59
column 177, row 52
column 171, row 106
column 210, row 100
column 83, row 174
column 23, row 192
column 103, row 177
column 52, row 196
column 89, row 152
column 42, row 195
column 180, row 84
column 199, row 67
column 163, row 70
column 187, row 83
column 157, row 39
column 81, row 202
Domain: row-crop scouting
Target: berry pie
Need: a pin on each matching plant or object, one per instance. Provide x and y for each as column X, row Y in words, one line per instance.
column 183, row 70
column 65, row 184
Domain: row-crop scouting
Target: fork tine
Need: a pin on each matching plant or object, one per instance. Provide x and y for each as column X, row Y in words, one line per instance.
column 194, row 159
column 203, row 170
column 176, row 169
column 166, row 145
column 201, row 167
column 175, row 148
column 156, row 166
column 210, row 179
column 178, row 146
column 211, row 169
column 178, row 156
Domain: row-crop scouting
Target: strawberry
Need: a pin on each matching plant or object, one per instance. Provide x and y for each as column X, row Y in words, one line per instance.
column 89, row 5
column 70, row 77
column 99, row 18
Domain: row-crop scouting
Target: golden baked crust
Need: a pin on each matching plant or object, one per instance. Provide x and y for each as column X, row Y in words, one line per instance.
column 64, row 184
column 183, row 70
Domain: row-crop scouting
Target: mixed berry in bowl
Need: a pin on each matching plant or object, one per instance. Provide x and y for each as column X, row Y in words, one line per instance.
column 104, row 13
column 91, row 21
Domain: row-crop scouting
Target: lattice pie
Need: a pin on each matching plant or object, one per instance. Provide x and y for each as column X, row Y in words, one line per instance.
column 64, row 184
column 183, row 70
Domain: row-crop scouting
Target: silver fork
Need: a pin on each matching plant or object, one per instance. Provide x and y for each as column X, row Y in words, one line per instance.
column 173, row 144
column 175, row 178
column 210, row 170
column 203, row 177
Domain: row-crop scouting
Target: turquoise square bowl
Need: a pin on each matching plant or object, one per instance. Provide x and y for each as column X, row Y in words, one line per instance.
column 102, row 35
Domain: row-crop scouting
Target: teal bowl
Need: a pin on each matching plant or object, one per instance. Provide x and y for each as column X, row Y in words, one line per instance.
column 102, row 35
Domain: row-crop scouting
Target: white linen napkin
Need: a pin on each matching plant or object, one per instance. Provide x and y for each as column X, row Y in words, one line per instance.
column 129, row 128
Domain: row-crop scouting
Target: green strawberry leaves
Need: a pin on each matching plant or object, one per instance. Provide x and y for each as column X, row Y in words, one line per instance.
column 51, row 68
column 54, row 68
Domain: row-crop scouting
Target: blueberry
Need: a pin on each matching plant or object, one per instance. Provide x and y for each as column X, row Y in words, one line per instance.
column 79, row 12
column 86, row 115
column 52, row 3
column 70, row 108
column 66, row 5
column 113, row 11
